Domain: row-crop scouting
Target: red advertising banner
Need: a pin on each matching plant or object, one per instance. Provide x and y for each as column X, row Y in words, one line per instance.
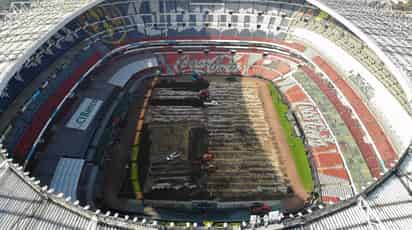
column 203, row 63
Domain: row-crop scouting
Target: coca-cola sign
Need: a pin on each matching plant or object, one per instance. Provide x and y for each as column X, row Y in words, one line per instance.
column 223, row 64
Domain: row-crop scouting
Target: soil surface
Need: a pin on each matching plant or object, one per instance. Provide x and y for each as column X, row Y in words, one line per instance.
column 115, row 170
column 285, row 153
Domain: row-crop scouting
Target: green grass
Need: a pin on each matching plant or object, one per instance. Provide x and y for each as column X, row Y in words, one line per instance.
column 134, row 175
column 295, row 143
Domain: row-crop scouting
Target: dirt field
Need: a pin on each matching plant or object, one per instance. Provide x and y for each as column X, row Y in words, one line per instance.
column 248, row 167
column 285, row 155
column 252, row 160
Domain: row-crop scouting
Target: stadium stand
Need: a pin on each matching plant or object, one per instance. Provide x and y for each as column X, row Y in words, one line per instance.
column 384, row 205
column 24, row 25
column 360, row 74
column 353, row 124
column 358, row 49
column 45, row 101
column 324, row 150
column 384, row 147
column 385, row 31
column 355, row 162
column 26, row 51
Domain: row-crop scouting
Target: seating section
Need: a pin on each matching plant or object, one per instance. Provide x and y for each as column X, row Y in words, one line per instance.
column 117, row 23
column 356, row 164
column 383, row 145
column 352, row 123
column 176, row 18
column 269, row 68
column 41, row 18
column 45, row 101
column 21, row 29
column 358, row 49
column 389, row 29
column 332, row 175
column 387, row 205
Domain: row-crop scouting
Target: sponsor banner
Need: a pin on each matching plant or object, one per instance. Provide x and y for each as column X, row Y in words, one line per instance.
column 199, row 62
column 84, row 114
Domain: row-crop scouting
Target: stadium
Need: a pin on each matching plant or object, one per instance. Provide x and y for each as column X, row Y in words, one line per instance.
column 206, row 114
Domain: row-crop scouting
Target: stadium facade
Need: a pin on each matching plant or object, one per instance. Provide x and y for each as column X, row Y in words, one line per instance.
column 35, row 34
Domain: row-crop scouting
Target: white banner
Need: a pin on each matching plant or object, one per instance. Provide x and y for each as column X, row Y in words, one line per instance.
column 84, row 114
column 123, row 75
